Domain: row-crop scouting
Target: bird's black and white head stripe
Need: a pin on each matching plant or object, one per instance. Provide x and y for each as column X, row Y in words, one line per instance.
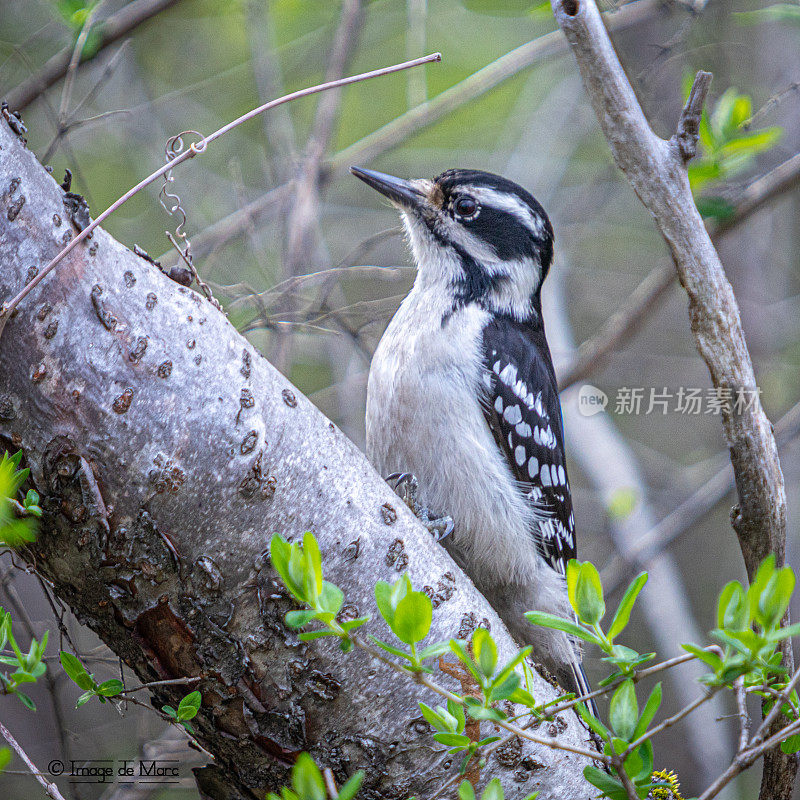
column 482, row 237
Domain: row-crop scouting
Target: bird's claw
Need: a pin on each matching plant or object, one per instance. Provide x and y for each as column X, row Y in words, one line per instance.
column 405, row 484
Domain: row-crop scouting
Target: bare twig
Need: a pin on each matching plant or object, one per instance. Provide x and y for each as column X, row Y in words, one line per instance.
column 75, row 60
column 50, row 788
column 195, row 149
column 689, row 122
column 741, row 710
column 169, row 682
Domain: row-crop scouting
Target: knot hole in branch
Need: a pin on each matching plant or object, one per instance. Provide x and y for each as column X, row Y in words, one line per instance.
column 570, row 7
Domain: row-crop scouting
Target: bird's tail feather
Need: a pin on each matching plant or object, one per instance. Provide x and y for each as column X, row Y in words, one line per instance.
column 583, row 687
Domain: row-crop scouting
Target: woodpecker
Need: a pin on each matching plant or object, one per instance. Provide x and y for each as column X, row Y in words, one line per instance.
column 462, row 395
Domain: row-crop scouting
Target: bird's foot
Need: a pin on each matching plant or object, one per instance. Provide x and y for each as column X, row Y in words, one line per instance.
column 407, row 487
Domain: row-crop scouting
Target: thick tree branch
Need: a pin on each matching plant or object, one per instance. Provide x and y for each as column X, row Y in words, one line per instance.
column 167, row 451
column 656, row 170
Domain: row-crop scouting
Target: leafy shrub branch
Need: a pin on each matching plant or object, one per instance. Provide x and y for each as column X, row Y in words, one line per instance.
column 744, row 656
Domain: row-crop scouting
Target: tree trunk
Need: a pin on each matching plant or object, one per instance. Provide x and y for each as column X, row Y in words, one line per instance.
column 167, row 451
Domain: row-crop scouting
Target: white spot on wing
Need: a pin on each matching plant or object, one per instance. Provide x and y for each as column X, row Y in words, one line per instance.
column 519, row 455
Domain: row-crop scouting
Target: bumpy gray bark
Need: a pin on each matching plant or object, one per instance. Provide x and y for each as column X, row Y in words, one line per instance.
column 167, row 451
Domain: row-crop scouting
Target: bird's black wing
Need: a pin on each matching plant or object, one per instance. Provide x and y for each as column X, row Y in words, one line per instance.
column 524, row 414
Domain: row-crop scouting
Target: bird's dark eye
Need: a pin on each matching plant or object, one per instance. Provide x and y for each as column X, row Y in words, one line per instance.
column 465, row 207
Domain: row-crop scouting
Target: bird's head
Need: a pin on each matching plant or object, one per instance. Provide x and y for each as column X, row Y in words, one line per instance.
column 483, row 236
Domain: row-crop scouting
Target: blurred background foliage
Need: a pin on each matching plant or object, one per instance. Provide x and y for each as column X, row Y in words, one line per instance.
column 297, row 251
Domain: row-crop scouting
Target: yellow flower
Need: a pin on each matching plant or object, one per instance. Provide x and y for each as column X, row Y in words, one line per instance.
column 668, row 792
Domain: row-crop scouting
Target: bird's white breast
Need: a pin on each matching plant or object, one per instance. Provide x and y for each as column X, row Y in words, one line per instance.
column 424, row 416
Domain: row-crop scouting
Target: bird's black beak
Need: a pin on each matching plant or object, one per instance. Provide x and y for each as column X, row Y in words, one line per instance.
column 402, row 193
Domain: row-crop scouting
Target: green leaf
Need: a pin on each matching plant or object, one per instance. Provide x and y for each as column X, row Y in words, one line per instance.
column 313, row 560
column 297, row 619
column 523, row 697
column 545, row 620
column 479, row 712
column 722, row 114
column 610, row 787
column 594, row 724
column 752, row 143
column 624, row 710
column 189, row 706
column 331, row 598
column 75, row 670
column 648, row 712
column 732, row 607
column 433, row 718
column 349, row 624
column 485, row 651
column 623, row 612
column 5, row 758
column 708, row 657
column 452, row 739
column 85, row 698
column 589, row 604
column 504, row 690
column 413, row 617
column 383, row 599
column 307, row 780
column 785, row 633
column 26, row 701
column 465, row 791
column 349, row 790
column 110, row 688
column 775, row 597
column 493, row 790
column 791, row 745
column 395, row 651
column 434, row 650
column 457, row 648
column 456, row 711
column 279, row 550
column 170, row 711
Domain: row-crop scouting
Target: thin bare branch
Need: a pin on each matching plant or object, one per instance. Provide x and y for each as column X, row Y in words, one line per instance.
column 689, row 122
column 741, row 710
column 195, row 149
column 50, row 788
